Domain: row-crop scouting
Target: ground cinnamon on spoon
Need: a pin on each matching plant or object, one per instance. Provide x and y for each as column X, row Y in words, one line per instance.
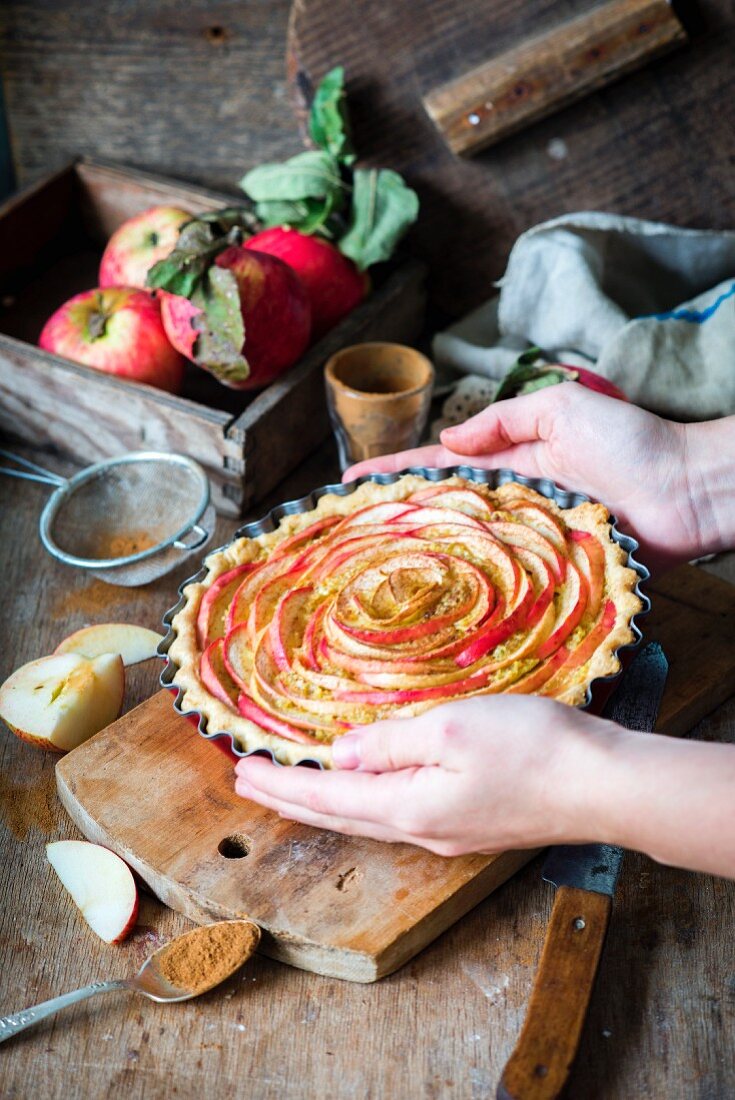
column 206, row 956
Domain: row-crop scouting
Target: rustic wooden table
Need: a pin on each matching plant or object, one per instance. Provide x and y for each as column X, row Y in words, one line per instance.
column 662, row 1021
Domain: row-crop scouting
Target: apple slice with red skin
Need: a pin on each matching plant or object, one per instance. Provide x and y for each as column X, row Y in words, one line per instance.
column 579, row 656
column 381, row 513
column 413, row 695
column 495, row 633
column 216, row 602
column 537, row 677
column 569, row 615
column 101, row 885
column 214, row 674
column 286, row 633
column 461, row 500
column 302, row 538
column 538, row 517
column 521, row 536
column 592, row 565
column 58, row 702
column 133, row 643
column 251, row 710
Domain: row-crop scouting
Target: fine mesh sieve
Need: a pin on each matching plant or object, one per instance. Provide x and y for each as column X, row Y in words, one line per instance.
column 128, row 520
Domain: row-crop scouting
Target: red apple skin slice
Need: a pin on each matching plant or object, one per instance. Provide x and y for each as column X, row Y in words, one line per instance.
column 595, row 572
column 283, row 623
column 214, row 674
column 574, row 615
column 449, row 496
column 234, row 640
column 250, row 710
column 537, row 677
column 579, row 656
column 412, row 695
column 302, row 538
column 215, row 603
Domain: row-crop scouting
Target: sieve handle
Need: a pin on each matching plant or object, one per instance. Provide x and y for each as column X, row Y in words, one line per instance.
column 201, row 537
column 46, row 477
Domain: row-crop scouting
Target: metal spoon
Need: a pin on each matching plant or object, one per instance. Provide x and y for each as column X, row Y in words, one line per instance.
column 149, row 981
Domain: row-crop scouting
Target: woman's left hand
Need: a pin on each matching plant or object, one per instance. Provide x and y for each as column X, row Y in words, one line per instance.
column 478, row 775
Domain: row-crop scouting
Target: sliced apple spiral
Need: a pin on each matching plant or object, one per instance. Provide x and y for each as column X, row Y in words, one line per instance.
column 442, row 591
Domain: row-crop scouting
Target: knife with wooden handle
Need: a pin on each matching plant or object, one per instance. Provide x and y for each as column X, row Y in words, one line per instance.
column 585, row 876
column 550, row 71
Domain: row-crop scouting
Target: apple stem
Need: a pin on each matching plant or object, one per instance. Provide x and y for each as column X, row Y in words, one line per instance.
column 97, row 324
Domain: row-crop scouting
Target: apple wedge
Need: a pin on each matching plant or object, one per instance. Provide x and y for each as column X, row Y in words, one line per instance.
column 101, row 885
column 60, row 701
column 133, row 643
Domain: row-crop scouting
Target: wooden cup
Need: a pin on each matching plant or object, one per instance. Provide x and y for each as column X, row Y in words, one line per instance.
column 378, row 397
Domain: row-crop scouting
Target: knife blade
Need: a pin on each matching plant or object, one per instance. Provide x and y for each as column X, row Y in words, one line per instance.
column 585, row 877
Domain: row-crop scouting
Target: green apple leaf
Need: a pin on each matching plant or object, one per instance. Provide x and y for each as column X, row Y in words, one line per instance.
column 383, row 208
column 329, row 125
column 531, row 372
column 219, row 345
column 199, row 241
column 306, row 215
column 311, row 175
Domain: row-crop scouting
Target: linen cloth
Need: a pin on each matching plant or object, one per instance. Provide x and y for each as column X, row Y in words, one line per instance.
column 648, row 305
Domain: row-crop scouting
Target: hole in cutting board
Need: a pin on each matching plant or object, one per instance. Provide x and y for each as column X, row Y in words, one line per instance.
column 235, row 846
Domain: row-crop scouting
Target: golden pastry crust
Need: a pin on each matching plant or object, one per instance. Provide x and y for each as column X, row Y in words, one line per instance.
column 570, row 686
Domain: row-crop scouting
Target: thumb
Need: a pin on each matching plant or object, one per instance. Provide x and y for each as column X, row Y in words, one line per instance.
column 391, row 745
column 524, row 419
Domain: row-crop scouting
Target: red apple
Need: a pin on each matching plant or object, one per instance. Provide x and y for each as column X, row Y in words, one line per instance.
column 139, row 243
column 333, row 282
column 275, row 310
column 117, row 330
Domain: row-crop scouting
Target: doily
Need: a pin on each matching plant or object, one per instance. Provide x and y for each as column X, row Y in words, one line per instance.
column 471, row 395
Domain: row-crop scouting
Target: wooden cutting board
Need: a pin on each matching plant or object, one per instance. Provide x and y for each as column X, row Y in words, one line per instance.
column 158, row 794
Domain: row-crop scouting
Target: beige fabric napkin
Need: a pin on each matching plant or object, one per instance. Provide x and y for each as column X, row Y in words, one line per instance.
column 648, row 305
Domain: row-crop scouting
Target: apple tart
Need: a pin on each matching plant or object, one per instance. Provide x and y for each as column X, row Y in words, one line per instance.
column 395, row 598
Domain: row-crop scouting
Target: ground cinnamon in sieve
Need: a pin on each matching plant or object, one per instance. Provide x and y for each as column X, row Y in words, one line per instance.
column 206, row 956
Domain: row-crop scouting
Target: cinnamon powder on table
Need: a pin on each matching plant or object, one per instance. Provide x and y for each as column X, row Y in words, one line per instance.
column 205, row 957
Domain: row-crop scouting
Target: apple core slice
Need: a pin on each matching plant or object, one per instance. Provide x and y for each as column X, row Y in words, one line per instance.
column 101, row 885
column 133, row 643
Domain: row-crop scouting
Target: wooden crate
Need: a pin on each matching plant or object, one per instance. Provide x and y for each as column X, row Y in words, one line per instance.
column 51, row 238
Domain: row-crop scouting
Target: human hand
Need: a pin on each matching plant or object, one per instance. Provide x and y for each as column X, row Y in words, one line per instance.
column 479, row 775
column 634, row 462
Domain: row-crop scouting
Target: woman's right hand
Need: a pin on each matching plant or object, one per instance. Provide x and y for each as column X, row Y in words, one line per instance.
column 640, row 466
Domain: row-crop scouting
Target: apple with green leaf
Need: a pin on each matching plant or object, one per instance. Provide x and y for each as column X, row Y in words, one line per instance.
column 248, row 322
column 116, row 330
column 139, row 243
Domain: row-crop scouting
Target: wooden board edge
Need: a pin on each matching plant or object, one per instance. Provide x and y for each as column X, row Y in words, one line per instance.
column 498, row 871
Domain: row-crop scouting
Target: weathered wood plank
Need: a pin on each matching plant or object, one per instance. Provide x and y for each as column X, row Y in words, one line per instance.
column 194, row 90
